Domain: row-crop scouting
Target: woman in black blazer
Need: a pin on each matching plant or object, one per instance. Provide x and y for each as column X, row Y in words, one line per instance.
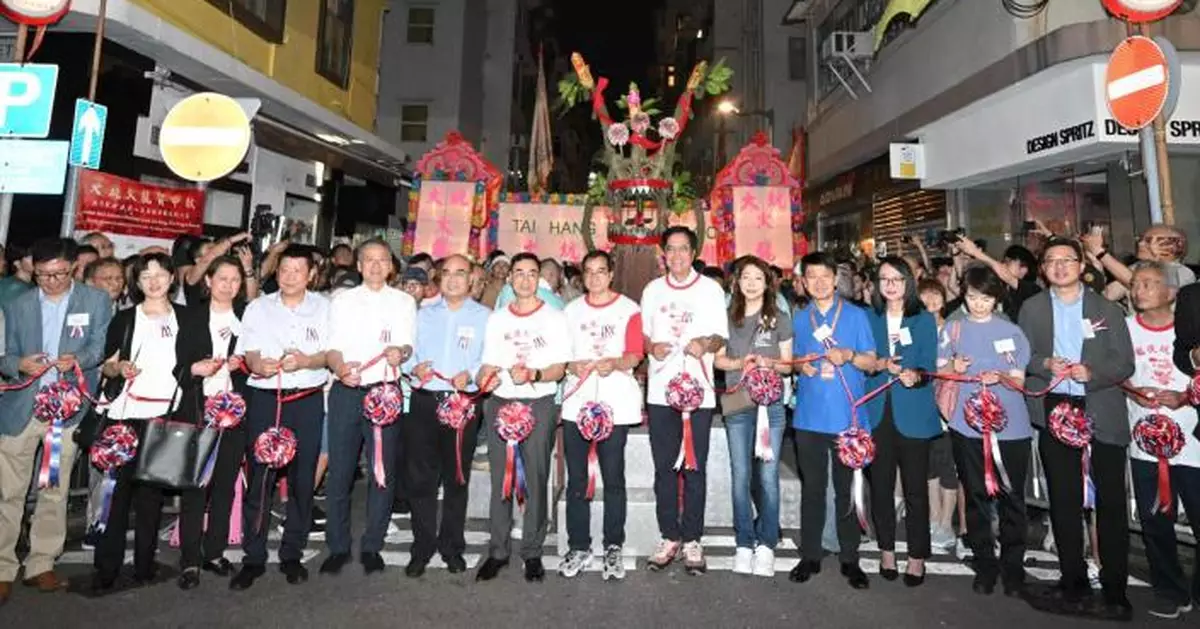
column 140, row 387
column 208, row 334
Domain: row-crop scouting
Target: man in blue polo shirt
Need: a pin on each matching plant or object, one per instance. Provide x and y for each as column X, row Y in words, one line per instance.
column 838, row 331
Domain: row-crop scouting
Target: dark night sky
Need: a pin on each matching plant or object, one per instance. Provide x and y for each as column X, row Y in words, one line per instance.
column 615, row 37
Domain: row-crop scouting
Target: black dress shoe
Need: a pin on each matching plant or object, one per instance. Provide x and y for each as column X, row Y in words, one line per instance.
column 246, row 577
column 295, row 572
column 1115, row 607
column 984, row 583
column 371, row 562
column 219, row 566
column 415, row 567
column 102, row 584
column 188, row 579
column 456, row 564
column 804, row 571
column 914, row 580
column 888, row 574
column 534, row 570
column 490, row 569
column 855, row 576
column 333, row 564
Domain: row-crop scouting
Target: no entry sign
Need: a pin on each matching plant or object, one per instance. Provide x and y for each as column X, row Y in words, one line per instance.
column 1136, row 82
column 1138, row 11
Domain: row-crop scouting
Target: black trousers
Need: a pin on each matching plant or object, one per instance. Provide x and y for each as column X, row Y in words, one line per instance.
column 1010, row 506
column 893, row 450
column 199, row 542
column 666, row 436
column 611, row 453
column 303, row 417
column 146, row 502
column 430, row 462
column 1158, row 529
column 813, row 451
column 1064, row 481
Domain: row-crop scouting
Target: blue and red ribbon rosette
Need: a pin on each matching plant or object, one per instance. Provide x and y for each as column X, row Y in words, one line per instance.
column 514, row 423
column 595, row 423
column 1162, row 438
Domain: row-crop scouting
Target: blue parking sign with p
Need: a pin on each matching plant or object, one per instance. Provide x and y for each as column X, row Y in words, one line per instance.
column 27, row 99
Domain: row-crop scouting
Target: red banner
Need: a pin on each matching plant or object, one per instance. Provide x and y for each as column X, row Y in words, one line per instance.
column 113, row 204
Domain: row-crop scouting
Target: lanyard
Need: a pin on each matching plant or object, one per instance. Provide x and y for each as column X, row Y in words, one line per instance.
column 837, row 314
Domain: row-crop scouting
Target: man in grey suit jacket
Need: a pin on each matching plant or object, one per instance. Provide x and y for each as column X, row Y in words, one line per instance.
column 61, row 324
column 1080, row 341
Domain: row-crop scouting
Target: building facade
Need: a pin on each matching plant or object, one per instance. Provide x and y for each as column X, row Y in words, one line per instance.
column 310, row 67
column 1010, row 109
column 457, row 65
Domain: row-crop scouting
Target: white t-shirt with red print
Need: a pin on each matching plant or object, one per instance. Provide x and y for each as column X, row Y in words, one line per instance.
column 1153, row 350
column 605, row 330
column 677, row 312
column 536, row 340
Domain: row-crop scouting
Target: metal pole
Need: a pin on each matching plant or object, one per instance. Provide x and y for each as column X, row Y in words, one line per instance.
column 720, row 145
column 1150, row 173
column 6, row 199
column 1160, row 157
column 71, row 198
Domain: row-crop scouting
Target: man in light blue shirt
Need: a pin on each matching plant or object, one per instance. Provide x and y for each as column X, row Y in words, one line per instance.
column 54, row 317
column 447, row 352
column 507, row 296
column 1068, row 338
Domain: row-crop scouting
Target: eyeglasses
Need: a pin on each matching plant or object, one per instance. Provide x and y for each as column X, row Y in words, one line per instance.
column 891, row 281
column 57, row 275
column 1061, row 261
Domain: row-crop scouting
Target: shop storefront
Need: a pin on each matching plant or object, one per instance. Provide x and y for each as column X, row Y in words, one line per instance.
column 1046, row 149
column 864, row 210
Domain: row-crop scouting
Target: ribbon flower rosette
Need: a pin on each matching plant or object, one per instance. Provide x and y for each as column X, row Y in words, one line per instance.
column 455, row 412
column 514, row 423
column 595, row 423
column 116, row 447
column 685, row 394
column 1072, row 427
column 764, row 387
column 382, row 407
column 1162, row 438
column 54, row 404
column 984, row 414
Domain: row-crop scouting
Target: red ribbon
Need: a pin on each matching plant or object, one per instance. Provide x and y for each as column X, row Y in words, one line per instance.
column 689, row 443
column 593, row 467
column 598, row 102
column 1166, row 499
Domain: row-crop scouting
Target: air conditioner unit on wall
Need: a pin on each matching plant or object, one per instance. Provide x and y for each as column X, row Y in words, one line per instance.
column 852, row 44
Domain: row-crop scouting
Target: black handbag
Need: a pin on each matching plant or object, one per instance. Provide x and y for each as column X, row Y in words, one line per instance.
column 173, row 454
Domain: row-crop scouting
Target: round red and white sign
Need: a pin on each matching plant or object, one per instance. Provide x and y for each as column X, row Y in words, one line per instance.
column 34, row 12
column 1138, row 11
column 1136, row 82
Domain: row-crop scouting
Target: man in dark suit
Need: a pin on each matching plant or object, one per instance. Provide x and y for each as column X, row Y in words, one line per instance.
column 61, row 324
column 1080, row 343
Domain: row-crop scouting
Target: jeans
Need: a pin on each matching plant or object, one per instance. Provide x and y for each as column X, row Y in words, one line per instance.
column 666, row 436
column 745, row 471
column 611, row 453
column 1158, row 529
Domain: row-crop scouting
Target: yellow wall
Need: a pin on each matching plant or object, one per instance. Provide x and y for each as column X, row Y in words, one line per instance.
column 292, row 63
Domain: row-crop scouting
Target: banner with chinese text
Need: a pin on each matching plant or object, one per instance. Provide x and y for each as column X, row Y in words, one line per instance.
column 763, row 223
column 443, row 222
column 117, row 205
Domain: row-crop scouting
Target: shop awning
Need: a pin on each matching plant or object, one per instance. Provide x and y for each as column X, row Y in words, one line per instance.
column 311, row 130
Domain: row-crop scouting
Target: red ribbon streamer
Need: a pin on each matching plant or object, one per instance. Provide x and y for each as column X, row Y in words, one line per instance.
column 593, row 466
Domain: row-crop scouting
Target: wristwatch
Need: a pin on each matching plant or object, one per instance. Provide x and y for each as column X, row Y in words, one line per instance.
column 537, row 375
column 1103, row 252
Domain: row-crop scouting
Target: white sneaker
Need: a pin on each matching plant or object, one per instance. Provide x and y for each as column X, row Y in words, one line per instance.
column 575, row 562
column 693, row 558
column 743, row 561
column 764, row 561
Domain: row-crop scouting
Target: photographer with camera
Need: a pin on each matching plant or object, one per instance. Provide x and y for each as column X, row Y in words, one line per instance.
column 194, row 287
column 1017, row 268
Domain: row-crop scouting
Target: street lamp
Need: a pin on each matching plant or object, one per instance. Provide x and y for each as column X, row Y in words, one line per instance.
column 727, row 108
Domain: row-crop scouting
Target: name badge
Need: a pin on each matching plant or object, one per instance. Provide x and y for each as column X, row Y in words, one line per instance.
column 905, row 337
column 466, row 332
column 826, row 370
column 1089, row 330
column 1005, row 346
column 822, row 333
column 79, row 319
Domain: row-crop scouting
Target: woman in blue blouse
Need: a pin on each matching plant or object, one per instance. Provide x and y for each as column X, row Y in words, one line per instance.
column 904, row 418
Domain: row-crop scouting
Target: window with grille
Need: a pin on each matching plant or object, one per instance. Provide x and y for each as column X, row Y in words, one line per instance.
column 335, row 40
column 264, row 17
column 420, row 25
column 414, row 123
